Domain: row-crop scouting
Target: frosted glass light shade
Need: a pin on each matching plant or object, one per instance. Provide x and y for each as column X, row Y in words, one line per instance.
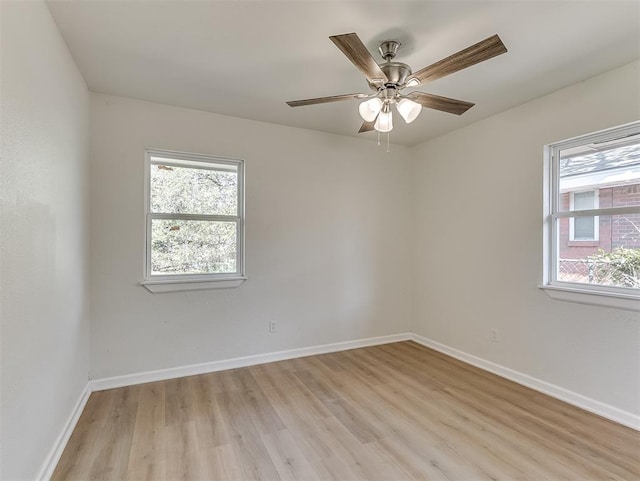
column 369, row 109
column 384, row 122
column 408, row 109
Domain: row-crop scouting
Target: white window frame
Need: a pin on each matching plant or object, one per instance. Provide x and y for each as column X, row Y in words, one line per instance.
column 596, row 219
column 620, row 297
column 189, row 282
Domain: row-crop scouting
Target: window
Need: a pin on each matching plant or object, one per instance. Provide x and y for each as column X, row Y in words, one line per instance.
column 584, row 228
column 194, row 222
column 592, row 217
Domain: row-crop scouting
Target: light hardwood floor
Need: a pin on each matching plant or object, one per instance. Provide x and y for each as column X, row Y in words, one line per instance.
column 394, row 412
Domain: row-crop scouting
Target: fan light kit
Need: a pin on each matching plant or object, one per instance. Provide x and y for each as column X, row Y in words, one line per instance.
column 388, row 79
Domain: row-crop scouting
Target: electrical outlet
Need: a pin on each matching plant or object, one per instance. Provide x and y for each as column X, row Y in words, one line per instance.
column 494, row 335
column 273, row 327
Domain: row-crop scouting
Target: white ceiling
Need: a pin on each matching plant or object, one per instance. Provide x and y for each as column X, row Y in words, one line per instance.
column 245, row 59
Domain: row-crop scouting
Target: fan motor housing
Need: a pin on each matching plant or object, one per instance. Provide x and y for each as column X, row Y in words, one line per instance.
column 397, row 74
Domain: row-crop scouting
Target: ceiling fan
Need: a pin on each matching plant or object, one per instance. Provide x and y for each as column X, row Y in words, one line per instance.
column 388, row 79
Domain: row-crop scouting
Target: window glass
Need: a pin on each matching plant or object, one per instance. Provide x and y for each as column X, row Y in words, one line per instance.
column 605, row 169
column 184, row 190
column 614, row 261
column 192, row 247
column 583, row 200
column 584, row 228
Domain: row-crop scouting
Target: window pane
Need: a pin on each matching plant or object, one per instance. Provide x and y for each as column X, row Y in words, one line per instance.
column 601, row 175
column 584, row 200
column 614, row 260
column 583, row 228
column 187, row 190
column 192, row 247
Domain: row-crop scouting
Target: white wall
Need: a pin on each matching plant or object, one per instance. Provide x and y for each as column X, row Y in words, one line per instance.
column 478, row 246
column 327, row 247
column 43, row 237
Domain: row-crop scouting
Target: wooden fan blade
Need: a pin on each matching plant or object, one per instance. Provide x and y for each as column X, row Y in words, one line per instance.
column 444, row 104
column 481, row 51
column 324, row 100
column 366, row 127
column 351, row 45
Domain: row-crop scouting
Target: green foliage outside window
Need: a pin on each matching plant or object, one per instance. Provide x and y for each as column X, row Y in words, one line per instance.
column 620, row 267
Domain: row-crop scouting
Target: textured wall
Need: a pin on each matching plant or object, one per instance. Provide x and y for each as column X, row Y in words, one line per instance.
column 43, row 239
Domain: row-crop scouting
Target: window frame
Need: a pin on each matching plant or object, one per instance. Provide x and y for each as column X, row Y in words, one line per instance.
column 596, row 219
column 611, row 296
column 183, row 282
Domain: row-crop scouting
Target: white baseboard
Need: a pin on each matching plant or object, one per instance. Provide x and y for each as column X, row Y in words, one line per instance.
column 46, row 471
column 618, row 415
column 605, row 410
column 52, row 460
column 203, row 368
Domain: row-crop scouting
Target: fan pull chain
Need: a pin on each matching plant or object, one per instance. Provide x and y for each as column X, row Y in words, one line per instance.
column 378, row 138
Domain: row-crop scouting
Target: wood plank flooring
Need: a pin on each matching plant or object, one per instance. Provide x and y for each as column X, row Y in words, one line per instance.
column 393, row 412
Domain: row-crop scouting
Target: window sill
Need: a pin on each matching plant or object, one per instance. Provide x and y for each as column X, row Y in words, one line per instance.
column 629, row 302
column 583, row 243
column 173, row 285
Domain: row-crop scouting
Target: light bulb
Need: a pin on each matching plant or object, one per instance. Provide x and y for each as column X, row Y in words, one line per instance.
column 384, row 122
column 408, row 109
column 369, row 109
